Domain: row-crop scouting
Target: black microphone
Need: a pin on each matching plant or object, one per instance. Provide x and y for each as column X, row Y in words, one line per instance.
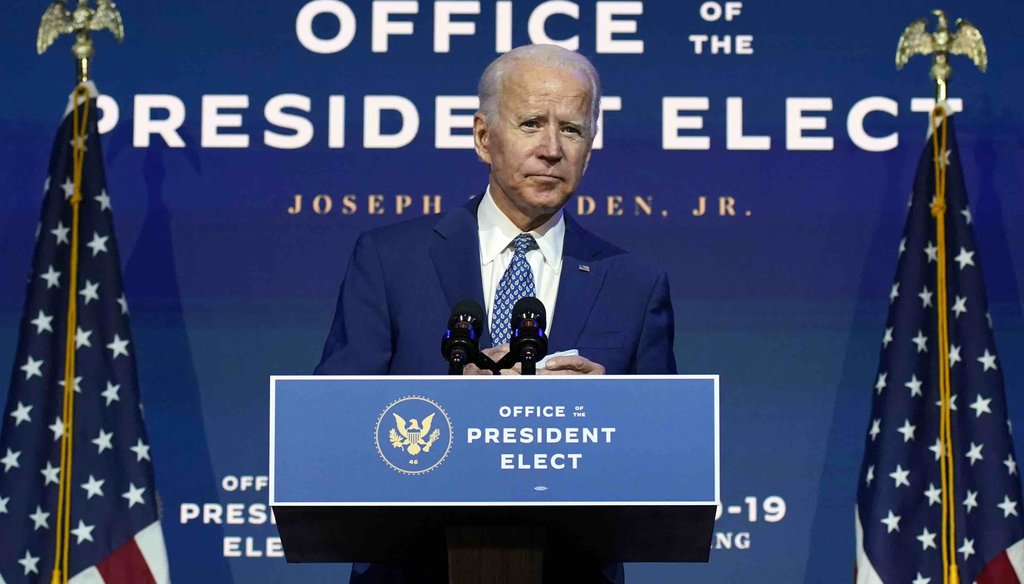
column 528, row 342
column 460, row 344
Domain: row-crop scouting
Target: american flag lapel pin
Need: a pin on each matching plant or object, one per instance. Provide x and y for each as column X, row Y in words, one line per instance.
column 584, row 268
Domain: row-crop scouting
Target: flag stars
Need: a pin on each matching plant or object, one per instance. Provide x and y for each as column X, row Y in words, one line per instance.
column 90, row 292
column 914, row 385
column 931, row 251
column 103, row 200
column 900, row 476
column 61, row 233
column 926, row 297
column 1008, row 506
column 111, row 393
column 51, row 474
column 134, row 495
column 123, row 303
column 907, row 430
column 966, row 212
column 952, row 403
column 921, row 341
column 967, row 549
column 52, row 278
column 10, row 460
column 988, row 361
column 980, row 406
column 141, row 451
column 971, row 501
column 103, row 441
column 954, row 355
column 57, row 427
column 30, row 563
column 880, row 384
column 83, row 532
column 3, row 505
column 964, row 258
column 68, row 187
column 927, row 539
column 43, row 323
column 97, row 244
column 903, row 245
column 32, row 368
column 934, row 495
column 119, row 346
column 921, row 579
column 21, row 414
column 876, row 428
column 974, row 453
column 39, row 519
column 936, row 448
column 82, row 338
column 892, row 522
column 894, row 293
column 1011, row 464
column 79, row 142
column 93, row 487
column 870, row 475
column 78, row 383
column 959, row 306
column 887, row 338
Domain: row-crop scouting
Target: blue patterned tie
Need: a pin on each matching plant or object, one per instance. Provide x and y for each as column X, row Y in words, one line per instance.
column 516, row 283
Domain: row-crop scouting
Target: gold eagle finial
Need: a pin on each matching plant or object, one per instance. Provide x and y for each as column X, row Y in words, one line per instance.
column 58, row 20
column 966, row 40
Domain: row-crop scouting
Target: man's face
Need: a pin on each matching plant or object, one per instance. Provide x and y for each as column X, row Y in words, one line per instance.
column 539, row 145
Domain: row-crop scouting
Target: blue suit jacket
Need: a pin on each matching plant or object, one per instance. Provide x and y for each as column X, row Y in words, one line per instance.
column 403, row 280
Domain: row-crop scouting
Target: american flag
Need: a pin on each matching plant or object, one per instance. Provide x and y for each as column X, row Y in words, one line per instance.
column 115, row 531
column 899, row 493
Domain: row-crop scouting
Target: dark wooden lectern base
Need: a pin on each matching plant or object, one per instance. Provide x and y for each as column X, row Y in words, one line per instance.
column 495, row 554
column 652, row 533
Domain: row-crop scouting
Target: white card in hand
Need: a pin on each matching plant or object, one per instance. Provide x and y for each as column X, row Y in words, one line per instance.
column 570, row 353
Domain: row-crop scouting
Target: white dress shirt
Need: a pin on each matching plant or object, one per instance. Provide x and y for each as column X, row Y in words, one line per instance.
column 496, row 234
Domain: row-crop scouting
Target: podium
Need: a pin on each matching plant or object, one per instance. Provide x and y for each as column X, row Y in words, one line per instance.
column 495, row 472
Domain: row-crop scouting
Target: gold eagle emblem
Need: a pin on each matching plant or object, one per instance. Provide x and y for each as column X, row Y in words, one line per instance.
column 58, row 20
column 413, row 436
column 966, row 40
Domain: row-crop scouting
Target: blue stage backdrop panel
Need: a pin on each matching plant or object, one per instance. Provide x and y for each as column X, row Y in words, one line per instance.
column 762, row 153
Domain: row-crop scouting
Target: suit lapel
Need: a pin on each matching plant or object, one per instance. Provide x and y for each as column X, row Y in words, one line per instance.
column 580, row 281
column 456, row 256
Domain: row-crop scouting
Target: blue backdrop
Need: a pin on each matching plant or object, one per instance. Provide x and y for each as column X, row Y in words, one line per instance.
column 780, row 285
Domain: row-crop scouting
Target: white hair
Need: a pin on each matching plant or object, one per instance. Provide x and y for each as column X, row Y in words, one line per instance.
column 489, row 89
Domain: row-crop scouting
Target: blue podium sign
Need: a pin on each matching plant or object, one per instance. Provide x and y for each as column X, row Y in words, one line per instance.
column 545, row 440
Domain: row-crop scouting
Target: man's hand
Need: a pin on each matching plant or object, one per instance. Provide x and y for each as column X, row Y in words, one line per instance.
column 495, row 353
column 570, row 365
column 574, row 365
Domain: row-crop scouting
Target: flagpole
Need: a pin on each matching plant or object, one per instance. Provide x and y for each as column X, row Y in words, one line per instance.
column 80, row 112
column 938, row 211
column 59, row 20
column 965, row 40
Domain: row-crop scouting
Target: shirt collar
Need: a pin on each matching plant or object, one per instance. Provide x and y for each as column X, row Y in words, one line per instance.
column 497, row 231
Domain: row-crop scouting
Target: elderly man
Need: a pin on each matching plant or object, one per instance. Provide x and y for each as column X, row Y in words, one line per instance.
column 535, row 127
column 534, row 130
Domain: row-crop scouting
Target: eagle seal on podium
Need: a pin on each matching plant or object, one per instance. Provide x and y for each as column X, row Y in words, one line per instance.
column 413, row 435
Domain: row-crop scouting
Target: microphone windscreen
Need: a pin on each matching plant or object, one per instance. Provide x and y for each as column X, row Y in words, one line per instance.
column 533, row 307
column 467, row 311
